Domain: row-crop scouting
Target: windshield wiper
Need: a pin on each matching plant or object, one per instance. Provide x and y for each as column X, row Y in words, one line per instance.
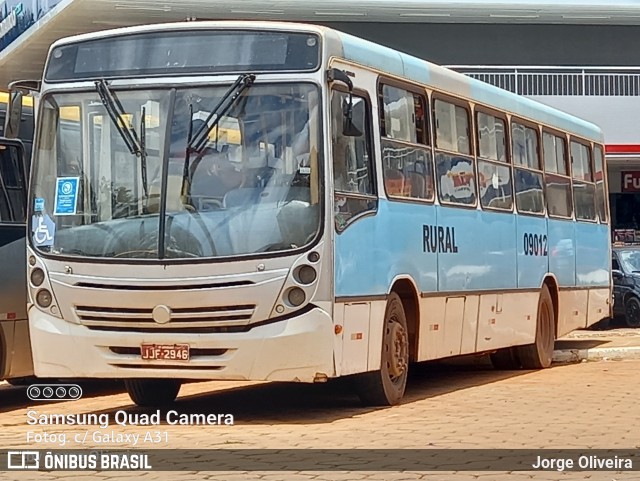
column 243, row 82
column 197, row 140
column 116, row 113
column 143, row 150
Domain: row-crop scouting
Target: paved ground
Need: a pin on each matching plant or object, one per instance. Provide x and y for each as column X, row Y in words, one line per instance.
column 585, row 405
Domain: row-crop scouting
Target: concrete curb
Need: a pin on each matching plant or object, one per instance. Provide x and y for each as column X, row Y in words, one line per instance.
column 564, row 356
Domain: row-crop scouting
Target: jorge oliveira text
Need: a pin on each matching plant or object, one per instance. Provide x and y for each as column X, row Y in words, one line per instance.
column 585, row 462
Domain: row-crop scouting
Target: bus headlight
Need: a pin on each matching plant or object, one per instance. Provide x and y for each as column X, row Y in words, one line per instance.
column 296, row 296
column 305, row 274
column 44, row 298
column 37, row 277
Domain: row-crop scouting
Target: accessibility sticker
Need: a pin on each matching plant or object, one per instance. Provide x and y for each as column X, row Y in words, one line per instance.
column 66, row 195
column 43, row 230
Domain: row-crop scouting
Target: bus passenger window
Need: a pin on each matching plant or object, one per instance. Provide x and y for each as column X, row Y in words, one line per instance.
column 524, row 146
column 494, row 172
column 527, row 176
column 554, row 154
column 491, row 138
column 407, row 164
column 352, row 160
column 601, row 195
column 455, row 172
column 584, row 190
column 529, row 191
column 495, row 185
column 559, row 199
column 558, row 184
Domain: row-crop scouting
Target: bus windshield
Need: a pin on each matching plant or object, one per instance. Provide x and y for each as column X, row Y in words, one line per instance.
column 252, row 187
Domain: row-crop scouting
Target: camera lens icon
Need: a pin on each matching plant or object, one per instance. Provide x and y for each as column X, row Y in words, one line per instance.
column 54, row 392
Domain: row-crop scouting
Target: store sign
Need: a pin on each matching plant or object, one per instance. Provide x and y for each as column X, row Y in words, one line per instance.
column 16, row 16
column 631, row 181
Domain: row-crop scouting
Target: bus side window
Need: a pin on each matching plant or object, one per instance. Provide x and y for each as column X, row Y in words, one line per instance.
column 454, row 167
column 494, row 172
column 407, row 161
column 12, row 186
column 557, row 180
column 601, row 194
column 528, row 181
column 353, row 174
column 584, row 190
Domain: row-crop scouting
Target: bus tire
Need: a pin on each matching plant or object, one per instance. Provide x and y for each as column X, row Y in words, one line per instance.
column 386, row 386
column 539, row 354
column 152, row 392
column 505, row 359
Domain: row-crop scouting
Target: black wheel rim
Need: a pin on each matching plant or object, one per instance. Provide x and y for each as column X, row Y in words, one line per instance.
column 396, row 351
column 633, row 313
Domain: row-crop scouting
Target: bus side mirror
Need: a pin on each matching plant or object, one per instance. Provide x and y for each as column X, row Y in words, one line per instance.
column 348, row 127
column 14, row 115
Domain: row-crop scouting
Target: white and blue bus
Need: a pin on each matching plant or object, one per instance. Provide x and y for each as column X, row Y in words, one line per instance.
column 284, row 202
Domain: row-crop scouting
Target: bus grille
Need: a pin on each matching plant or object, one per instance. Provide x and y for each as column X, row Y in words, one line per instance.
column 187, row 319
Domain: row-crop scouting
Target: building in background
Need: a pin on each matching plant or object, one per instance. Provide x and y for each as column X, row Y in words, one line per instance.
column 581, row 56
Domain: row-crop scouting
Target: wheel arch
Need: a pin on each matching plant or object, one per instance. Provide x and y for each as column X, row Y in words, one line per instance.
column 406, row 288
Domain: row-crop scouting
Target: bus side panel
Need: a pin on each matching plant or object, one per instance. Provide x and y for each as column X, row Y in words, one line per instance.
column 532, row 264
column 562, row 263
column 593, row 259
column 592, row 270
column 482, row 259
column 374, row 250
column 562, row 249
column 369, row 254
column 481, row 251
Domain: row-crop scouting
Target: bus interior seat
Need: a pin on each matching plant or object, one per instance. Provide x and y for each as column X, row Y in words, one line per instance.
column 418, row 184
column 174, row 195
column 396, row 183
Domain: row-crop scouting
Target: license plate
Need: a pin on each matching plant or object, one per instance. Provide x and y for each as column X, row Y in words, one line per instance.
column 170, row 352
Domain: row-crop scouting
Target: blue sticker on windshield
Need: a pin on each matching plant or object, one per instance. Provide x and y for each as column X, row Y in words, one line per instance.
column 66, row 195
column 38, row 204
column 43, row 230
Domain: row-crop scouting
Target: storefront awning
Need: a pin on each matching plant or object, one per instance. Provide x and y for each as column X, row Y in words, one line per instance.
column 28, row 27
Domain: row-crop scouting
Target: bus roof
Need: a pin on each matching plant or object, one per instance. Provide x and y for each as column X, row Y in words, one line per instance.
column 393, row 62
column 399, row 64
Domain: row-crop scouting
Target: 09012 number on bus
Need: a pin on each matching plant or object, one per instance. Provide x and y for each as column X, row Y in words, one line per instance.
column 535, row 245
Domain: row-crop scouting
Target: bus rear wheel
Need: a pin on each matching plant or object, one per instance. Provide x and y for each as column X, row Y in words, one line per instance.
column 386, row 386
column 152, row 392
column 539, row 354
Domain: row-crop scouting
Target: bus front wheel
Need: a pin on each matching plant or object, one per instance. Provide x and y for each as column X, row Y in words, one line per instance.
column 386, row 386
column 152, row 392
column 539, row 354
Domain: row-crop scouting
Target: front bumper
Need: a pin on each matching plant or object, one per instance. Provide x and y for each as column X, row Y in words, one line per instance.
column 296, row 349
